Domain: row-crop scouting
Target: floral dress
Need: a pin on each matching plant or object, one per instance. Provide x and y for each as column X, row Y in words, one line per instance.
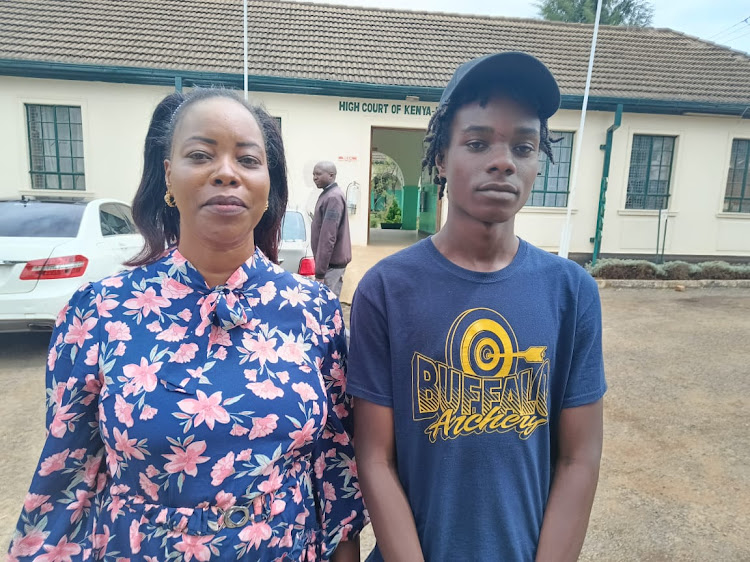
column 190, row 423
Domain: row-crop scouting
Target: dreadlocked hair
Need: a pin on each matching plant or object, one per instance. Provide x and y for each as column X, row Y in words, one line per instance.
column 438, row 134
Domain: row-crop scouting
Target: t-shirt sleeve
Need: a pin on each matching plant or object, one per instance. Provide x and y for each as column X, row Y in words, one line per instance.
column 369, row 374
column 586, row 382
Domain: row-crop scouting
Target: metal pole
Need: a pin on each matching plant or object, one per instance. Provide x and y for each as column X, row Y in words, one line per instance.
column 566, row 233
column 658, row 235
column 244, row 42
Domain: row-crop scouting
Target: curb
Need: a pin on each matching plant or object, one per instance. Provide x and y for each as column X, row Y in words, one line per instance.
column 679, row 285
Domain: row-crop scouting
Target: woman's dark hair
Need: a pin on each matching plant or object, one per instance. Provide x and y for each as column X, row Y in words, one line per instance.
column 160, row 224
column 438, row 135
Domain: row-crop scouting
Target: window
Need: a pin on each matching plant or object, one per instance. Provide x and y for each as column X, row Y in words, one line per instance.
column 55, row 147
column 115, row 219
column 293, row 227
column 737, row 197
column 40, row 219
column 650, row 172
column 553, row 181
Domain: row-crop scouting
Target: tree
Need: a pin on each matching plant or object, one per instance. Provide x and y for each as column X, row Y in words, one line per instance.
column 394, row 213
column 635, row 13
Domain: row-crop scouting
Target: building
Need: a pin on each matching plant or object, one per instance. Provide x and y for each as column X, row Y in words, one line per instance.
column 665, row 154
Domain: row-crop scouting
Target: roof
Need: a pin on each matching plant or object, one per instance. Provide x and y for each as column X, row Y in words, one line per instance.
column 304, row 41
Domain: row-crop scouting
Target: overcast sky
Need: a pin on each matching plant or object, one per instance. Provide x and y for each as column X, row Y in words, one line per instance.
column 719, row 21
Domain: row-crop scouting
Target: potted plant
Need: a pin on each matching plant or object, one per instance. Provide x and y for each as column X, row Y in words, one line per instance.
column 392, row 218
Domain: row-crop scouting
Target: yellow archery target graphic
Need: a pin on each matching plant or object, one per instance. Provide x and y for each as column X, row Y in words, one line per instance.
column 481, row 342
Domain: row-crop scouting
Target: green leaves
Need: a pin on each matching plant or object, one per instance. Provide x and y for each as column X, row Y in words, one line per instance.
column 634, row 13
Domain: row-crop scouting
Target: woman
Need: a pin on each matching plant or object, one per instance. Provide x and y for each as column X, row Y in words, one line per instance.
column 196, row 403
column 476, row 358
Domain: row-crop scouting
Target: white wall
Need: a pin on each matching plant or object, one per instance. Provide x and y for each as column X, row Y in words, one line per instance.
column 115, row 118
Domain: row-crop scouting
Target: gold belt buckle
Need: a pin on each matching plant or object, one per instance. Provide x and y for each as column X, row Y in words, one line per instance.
column 227, row 518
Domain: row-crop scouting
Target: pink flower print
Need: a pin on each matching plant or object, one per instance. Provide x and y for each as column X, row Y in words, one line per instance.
column 341, row 438
column 151, row 489
column 251, row 374
column 185, row 314
column 219, row 336
column 186, row 460
column 120, row 489
column 128, row 446
column 118, row 331
column 295, row 296
column 311, row 322
column 267, row 292
column 255, row 533
column 78, row 332
column 316, row 409
column 82, row 501
column 237, row 279
column 59, row 425
column 238, row 430
column 91, row 470
column 263, row 426
column 339, row 376
column 319, row 466
column 205, row 408
column 113, row 461
column 185, row 353
column 173, row 289
column 99, row 542
column 61, row 315
column 136, row 537
column 173, row 333
column 195, row 546
column 277, row 507
column 120, row 351
column 196, row 373
column 296, row 495
column 221, row 354
column 223, row 468
column 61, row 552
column 123, row 411
column 115, row 282
column 225, row 500
column 266, row 390
column 154, row 326
column 244, row 455
column 33, row 501
column 262, row 349
column 293, row 350
column 53, row 463
column 29, row 543
column 52, row 358
column 142, row 376
column 273, row 483
column 115, row 506
column 338, row 322
column 305, row 391
column 147, row 302
column 178, row 259
column 92, row 355
column 283, row 376
column 302, row 436
column 329, row 492
column 104, row 305
column 148, row 412
column 341, row 410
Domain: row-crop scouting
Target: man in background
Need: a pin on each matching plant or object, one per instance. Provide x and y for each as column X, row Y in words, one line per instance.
column 331, row 244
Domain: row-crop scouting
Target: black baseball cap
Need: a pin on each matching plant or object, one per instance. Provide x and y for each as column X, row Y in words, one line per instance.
column 518, row 70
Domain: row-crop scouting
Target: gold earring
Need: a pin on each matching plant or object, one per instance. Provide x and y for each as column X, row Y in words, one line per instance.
column 169, row 199
column 264, row 210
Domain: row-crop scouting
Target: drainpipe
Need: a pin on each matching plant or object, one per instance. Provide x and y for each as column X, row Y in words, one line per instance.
column 607, row 148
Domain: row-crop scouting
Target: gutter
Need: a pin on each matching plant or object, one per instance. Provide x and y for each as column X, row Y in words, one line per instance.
column 310, row 86
column 607, row 147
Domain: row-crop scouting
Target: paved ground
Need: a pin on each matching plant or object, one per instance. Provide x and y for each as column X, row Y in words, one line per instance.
column 675, row 482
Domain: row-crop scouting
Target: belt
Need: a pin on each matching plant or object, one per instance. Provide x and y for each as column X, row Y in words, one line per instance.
column 337, row 266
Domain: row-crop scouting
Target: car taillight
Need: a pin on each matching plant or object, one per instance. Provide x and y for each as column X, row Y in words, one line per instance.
column 307, row 267
column 65, row 267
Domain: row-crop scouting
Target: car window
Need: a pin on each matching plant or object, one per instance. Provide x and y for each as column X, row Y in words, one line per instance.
column 40, row 218
column 293, row 226
column 127, row 214
column 112, row 221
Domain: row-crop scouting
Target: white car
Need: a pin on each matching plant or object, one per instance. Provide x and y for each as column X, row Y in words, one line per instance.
column 50, row 247
column 295, row 251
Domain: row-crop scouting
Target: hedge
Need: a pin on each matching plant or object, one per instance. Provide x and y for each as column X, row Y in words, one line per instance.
column 612, row 268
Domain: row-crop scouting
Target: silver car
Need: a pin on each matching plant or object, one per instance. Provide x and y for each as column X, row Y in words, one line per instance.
column 295, row 252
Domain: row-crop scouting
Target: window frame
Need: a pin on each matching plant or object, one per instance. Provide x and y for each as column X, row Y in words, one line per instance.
column 744, row 198
column 58, row 173
column 545, row 192
column 670, row 176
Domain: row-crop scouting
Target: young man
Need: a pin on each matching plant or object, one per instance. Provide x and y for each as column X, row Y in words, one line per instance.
column 331, row 244
column 475, row 357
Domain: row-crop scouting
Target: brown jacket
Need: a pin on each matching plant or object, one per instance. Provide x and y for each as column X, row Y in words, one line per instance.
column 331, row 244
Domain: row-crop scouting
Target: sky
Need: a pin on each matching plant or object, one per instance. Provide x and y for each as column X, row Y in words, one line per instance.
column 719, row 21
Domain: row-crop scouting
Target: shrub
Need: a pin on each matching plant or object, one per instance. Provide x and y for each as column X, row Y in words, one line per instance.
column 394, row 213
column 677, row 270
column 715, row 270
column 612, row 268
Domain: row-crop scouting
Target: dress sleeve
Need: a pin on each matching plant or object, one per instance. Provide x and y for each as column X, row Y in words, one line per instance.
column 53, row 522
column 338, row 498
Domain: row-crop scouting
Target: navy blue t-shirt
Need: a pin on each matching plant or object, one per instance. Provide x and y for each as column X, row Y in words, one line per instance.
column 477, row 367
